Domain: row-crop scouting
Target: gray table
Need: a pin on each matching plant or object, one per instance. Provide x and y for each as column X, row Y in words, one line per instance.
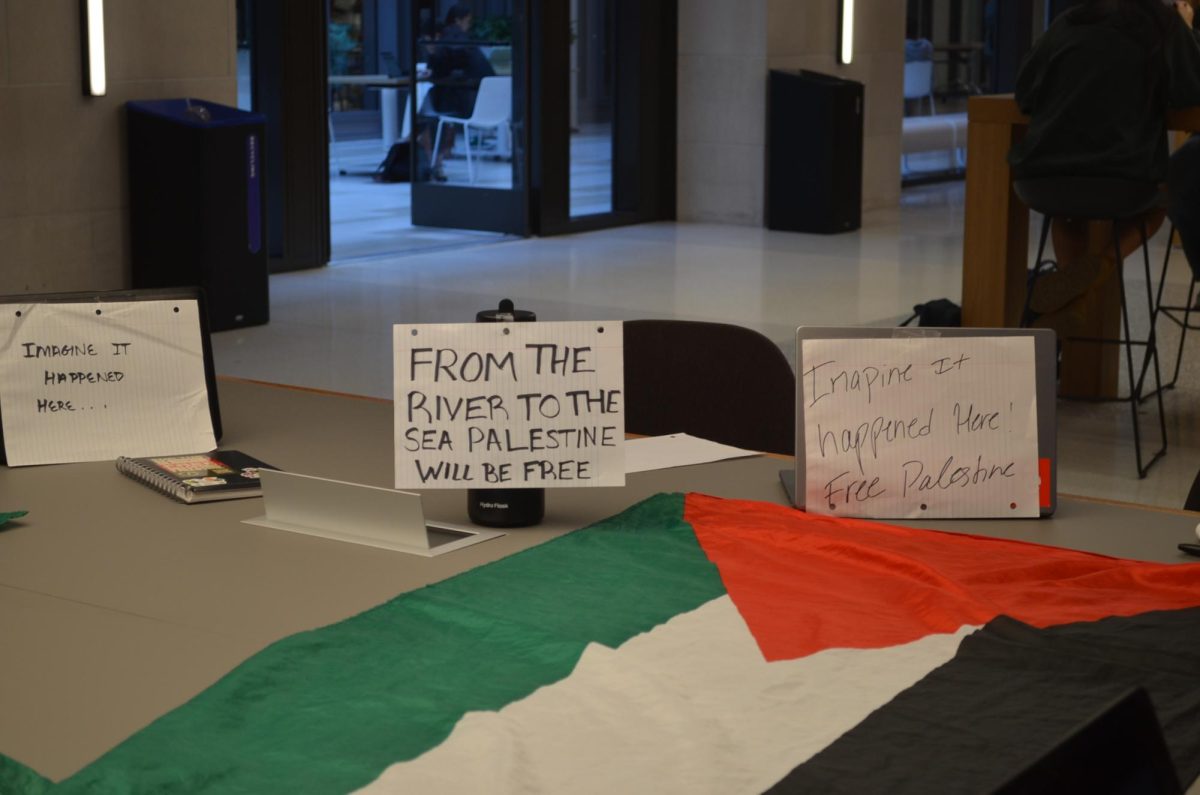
column 118, row 604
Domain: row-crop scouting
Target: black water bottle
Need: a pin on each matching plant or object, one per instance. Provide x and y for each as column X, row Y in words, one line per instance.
column 506, row 507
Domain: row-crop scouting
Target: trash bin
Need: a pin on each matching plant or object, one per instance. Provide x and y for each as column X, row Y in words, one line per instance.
column 814, row 152
column 197, row 205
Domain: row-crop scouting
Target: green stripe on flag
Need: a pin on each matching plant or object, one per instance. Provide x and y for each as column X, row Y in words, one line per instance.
column 328, row 710
column 16, row 778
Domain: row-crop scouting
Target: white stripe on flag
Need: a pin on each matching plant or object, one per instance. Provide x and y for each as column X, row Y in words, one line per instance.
column 690, row 706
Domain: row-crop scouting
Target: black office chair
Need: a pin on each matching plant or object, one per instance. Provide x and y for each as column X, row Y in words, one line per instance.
column 713, row 380
column 1113, row 200
column 1120, row 750
column 1192, row 503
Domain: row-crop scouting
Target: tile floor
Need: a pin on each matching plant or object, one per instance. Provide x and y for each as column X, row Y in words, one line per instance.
column 371, row 219
column 331, row 328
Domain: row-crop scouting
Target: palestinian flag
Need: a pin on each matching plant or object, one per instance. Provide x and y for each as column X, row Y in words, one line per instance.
column 694, row 644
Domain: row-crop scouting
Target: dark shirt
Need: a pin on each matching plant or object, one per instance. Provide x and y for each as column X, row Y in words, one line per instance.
column 1094, row 109
column 457, row 65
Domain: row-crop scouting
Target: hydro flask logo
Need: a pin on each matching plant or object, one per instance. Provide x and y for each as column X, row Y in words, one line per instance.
column 501, row 505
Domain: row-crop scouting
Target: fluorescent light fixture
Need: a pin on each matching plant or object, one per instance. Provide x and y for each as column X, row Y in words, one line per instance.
column 95, row 78
column 846, row 42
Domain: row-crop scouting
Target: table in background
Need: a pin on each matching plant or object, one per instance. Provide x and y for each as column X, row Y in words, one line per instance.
column 389, row 104
column 118, row 604
column 996, row 255
column 965, row 54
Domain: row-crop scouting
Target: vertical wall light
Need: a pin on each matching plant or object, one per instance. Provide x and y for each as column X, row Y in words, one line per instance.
column 846, row 31
column 95, row 78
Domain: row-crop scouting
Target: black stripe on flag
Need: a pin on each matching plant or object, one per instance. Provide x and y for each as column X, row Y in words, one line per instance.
column 1010, row 694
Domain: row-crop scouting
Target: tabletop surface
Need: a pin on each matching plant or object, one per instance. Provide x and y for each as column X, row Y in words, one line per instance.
column 1002, row 109
column 122, row 602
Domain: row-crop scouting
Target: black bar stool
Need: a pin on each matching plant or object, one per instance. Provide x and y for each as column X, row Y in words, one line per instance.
column 1113, row 200
column 1179, row 315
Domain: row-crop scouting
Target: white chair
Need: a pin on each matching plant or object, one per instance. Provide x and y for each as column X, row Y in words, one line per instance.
column 918, row 82
column 492, row 111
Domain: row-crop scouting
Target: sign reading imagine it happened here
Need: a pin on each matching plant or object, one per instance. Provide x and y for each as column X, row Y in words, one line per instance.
column 935, row 427
column 509, row 405
column 96, row 380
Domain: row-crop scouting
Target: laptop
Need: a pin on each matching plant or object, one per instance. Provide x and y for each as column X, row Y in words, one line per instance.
column 149, row 294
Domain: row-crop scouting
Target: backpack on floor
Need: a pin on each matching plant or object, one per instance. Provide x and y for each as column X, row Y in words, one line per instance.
column 938, row 312
column 394, row 167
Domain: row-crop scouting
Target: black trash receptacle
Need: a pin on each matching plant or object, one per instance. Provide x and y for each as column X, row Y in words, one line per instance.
column 197, row 205
column 814, row 152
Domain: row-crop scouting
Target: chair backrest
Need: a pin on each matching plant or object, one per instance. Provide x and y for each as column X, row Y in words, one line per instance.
column 406, row 126
column 918, row 79
column 493, row 103
column 501, row 60
column 713, row 380
column 1192, row 503
column 1120, row 749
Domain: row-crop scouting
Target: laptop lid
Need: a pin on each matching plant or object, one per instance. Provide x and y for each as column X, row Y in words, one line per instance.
column 1045, row 378
column 151, row 294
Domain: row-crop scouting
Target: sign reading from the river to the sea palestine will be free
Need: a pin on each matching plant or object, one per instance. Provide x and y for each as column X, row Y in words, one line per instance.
column 908, row 428
column 509, row 405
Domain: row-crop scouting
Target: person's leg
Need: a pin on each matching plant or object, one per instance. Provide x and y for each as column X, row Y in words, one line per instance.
column 1070, row 239
column 1085, row 259
column 1077, row 267
column 1183, row 199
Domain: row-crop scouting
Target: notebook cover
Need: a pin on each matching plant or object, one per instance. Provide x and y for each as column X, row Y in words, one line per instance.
column 199, row 477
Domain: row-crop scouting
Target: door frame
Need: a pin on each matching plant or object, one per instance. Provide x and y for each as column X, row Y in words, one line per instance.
column 644, row 116
column 288, row 85
column 489, row 209
column 290, row 39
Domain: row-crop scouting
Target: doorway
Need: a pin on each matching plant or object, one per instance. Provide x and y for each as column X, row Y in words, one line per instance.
column 470, row 153
column 374, row 83
column 501, row 117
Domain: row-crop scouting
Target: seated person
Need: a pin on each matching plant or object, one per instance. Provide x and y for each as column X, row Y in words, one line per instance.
column 1097, row 87
column 457, row 66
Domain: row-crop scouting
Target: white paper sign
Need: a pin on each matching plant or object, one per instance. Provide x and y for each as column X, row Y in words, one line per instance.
column 509, row 405
column 920, row 428
column 93, row 381
column 677, row 450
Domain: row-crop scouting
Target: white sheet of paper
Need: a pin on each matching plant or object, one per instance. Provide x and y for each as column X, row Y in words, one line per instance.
column 93, row 381
column 509, row 405
column 677, row 450
column 920, row 428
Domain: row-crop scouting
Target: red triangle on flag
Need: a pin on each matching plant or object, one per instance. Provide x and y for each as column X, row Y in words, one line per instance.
column 804, row 583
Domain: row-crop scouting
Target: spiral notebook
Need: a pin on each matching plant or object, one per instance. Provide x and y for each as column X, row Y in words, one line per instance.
column 200, row 477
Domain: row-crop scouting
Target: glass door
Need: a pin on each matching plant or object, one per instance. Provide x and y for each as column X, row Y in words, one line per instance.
column 470, row 155
column 604, row 121
column 592, row 78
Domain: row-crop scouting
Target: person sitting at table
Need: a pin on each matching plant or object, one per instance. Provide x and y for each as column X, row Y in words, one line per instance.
column 457, row 66
column 1097, row 86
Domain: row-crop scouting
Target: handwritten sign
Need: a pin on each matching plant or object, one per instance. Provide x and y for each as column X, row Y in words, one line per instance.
column 509, row 405
column 93, row 381
column 908, row 428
